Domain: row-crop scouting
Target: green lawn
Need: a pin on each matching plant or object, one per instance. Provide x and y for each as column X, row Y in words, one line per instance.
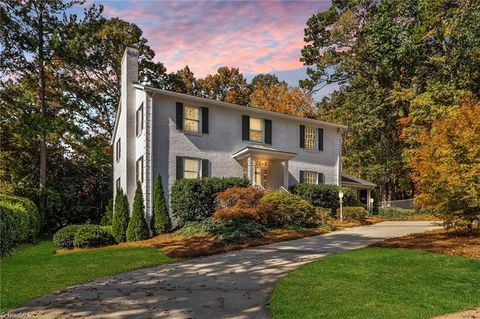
column 378, row 283
column 35, row 270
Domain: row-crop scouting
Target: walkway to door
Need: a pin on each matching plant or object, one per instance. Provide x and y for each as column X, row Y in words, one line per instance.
column 231, row 285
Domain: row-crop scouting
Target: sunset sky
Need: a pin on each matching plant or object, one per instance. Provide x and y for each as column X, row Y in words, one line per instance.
column 256, row 36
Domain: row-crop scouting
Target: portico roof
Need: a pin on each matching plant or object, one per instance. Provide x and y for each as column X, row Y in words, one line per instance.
column 262, row 152
column 349, row 180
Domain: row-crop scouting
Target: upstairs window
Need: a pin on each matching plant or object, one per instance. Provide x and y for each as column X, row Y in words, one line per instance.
column 310, row 138
column 139, row 120
column 191, row 120
column 139, row 170
column 191, row 168
column 256, row 130
column 118, row 150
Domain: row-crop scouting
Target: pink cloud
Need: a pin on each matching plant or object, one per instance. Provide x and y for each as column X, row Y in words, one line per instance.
column 257, row 37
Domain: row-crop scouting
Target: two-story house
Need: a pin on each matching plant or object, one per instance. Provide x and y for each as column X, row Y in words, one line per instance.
column 183, row 136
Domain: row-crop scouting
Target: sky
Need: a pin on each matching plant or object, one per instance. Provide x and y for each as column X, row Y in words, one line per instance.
column 256, row 36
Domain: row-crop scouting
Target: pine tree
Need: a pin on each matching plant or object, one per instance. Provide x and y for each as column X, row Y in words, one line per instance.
column 137, row 226
column 121, row 216
column 108, row 215
column 160, row 222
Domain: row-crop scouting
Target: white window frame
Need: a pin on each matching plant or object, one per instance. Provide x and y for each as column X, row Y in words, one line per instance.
column 311, row 174
column 199, row 163
column 310, row 141
column 118, row 149
column 139, row 120
column 198, row 119
column 262, row 130
column 139, row 170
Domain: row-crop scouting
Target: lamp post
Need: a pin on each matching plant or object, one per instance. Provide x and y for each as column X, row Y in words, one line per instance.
column 340, row 195
column 371, row 205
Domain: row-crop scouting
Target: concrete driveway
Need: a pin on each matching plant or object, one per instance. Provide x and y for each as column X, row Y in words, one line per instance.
column 231, row 285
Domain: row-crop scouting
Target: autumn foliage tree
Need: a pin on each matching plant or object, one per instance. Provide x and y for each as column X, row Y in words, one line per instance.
column 282, row 98
column 447, row 166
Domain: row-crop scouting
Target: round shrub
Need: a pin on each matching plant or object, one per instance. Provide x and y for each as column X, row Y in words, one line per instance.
column 92, row 236
column 357, row 213
column 239, row 202
column 289, row 209
column 201, row 228
column 194, row 199
column 322, row 195
column 65, row 237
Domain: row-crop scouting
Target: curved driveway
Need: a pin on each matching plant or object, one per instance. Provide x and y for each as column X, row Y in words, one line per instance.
column 231, row 285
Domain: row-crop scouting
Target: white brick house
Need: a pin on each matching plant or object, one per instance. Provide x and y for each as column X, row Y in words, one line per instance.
column 182, row 136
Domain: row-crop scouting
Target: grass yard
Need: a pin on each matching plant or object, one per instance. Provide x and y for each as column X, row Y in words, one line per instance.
column 378, row 283
column 35, row 270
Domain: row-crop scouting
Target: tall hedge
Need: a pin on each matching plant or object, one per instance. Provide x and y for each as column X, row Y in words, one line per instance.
column 121, row 216
column 14, row 226
column 34, row 218
column 194, row 199
column 137, row 226
column 322, row 195
column 160, row 222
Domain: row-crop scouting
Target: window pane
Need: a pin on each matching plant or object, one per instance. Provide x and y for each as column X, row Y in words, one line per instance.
column 256, row 136
column 191, row 113
column 191, row 168
column 310, row 177
column 310, row 138
column 256, row 124
column 191, row 125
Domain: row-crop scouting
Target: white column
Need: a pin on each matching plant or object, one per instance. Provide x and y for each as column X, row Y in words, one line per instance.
column 285, row 174
column 251, row 170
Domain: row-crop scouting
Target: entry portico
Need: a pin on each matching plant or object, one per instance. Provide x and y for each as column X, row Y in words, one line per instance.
column 264, row 166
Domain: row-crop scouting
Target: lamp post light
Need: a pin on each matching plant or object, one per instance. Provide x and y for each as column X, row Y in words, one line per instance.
column 371, row 205
column 340, row 195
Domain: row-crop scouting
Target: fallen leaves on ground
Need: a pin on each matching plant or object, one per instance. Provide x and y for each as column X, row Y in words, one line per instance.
column 438, row 241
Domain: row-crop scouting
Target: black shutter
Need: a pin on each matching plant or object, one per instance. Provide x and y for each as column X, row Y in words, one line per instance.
column 179, row 167
column 320, row 178
column 302, row 136
column 320, row 139
column 205, row 168
column 268, row 131
column 179, row 116
column 205, row 120
column 245, row 128
column 302, row 179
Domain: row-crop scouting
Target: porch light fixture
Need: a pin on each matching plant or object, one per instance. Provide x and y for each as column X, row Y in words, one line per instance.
column 340, row 195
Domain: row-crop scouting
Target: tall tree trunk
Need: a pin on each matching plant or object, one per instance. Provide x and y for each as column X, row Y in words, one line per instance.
column 43, row 112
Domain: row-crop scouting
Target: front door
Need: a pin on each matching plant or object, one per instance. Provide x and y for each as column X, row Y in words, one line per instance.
column 261, row 176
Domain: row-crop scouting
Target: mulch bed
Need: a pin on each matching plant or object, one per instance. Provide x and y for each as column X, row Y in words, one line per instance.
column 438, row 241
column 198, row 246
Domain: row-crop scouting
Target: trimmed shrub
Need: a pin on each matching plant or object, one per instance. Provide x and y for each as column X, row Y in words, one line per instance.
column 395, row 213
column 14, row 226
column 34, row 218
column 357, row 213
column 322, row 195
column 288, row 209
column 239, row 202
column 65, row 237
column 160, row 222
column 194, row 199
column 137, row 226
column 201, row 228
column 323, row 214
column 238, row 230
column 92, row 236
column 121, row 216
column 108, row 214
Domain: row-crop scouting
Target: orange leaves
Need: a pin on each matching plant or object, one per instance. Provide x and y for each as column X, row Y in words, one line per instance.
column 282, row 98
column 447, row 163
